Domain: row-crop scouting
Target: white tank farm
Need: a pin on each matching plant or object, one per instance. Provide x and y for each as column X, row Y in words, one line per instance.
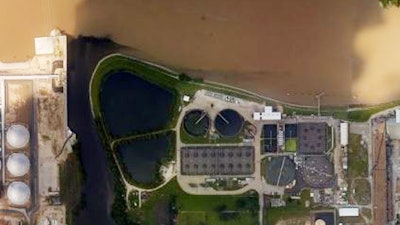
column 18, row 164
column 17, row 136
column 18, row 193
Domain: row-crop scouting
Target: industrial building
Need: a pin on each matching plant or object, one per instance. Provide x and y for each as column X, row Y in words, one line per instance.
column 23, row 86
column 267, row 115
column 349, row 212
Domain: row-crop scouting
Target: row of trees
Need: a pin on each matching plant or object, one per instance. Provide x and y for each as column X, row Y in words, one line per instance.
column 389, row 3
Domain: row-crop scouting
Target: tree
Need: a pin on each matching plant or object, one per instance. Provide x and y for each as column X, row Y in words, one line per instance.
column 389, row 3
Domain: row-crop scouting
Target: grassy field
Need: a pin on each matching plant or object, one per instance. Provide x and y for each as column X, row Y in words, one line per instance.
column 291, row 145
column 358, row 158
column 192, row 218
column 293, row 209
column 362, row 191
column 193, row 209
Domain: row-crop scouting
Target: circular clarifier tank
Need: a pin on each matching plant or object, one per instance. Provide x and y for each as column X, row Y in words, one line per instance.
column 228, row 123
column 196, row 123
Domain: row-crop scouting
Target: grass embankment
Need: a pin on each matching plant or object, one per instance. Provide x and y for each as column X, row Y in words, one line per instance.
column 157, row 177
column 152, row 74
column 352, row 113
column 358, row 158
column 170, row 202
column 358, row 171
column 291, row 145
column 149, row 73
column 72, row 178
column 294, row 209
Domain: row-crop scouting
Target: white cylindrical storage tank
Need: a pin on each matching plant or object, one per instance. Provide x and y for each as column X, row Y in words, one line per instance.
column 18, row 164
column 17, row 136
column 344, row 134
column 320, row 222
column 18, row 193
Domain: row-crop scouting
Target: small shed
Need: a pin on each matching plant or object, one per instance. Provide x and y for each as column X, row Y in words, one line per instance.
column 186, row 98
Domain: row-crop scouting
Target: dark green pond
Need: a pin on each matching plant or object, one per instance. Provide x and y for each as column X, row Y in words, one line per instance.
column 133, row 105
column 140, row 157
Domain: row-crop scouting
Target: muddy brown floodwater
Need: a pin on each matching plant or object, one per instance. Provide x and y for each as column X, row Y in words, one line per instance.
column 286, row 50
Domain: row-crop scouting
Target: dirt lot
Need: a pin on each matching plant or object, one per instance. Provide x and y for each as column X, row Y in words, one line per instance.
column 18, row 102
column 50, row 107
column 51, row 134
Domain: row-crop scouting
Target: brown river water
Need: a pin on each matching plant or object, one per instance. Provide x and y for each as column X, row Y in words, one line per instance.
column 288, row 50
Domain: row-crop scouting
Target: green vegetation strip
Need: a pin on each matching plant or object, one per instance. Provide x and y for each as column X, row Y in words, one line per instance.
column 291, row 145
column 158, row 180
column 358, row 158
column 351, row 113
column 72, row 179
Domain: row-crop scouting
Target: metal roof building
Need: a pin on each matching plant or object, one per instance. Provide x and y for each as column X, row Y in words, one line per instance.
column 344, row 134
column 268, row 114
column 347, row 212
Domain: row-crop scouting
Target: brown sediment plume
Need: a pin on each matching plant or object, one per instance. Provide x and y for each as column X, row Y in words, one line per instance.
column 21, row 21
column 379, row 50
column 287, row 50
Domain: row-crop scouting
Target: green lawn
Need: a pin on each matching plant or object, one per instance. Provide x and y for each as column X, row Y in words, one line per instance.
column 358, row 158
column 291, row 145
column 294, row 209
column 192, row 218
column 191, row 208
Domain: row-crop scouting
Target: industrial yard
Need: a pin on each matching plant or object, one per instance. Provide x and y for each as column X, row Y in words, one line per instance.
column 33, row 131
column 318, row 167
